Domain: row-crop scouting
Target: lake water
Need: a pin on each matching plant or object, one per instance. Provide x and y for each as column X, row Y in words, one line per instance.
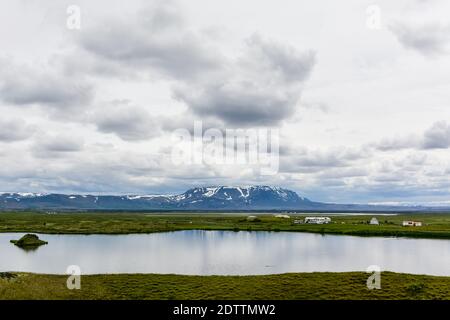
column 225, row 253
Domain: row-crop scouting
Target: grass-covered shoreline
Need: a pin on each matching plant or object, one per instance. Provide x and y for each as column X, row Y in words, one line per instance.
column 291, row 286
column 296, row 286
column 436, row 225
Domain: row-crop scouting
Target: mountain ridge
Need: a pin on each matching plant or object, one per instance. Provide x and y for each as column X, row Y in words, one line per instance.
column 212, row 198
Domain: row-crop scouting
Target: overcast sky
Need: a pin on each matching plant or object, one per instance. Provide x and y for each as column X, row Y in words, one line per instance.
column 363, row 108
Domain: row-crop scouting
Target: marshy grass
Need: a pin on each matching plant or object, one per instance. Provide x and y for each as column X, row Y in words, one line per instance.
column 435, row 225
column 291, row 286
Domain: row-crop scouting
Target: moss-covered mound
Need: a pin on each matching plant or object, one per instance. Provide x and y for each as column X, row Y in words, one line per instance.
column 7, row 275
column 29, row 240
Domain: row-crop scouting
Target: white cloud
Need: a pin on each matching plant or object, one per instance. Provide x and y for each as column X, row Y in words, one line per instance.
column 431, row 39
column 23, row 84
column 126, row 121
column 12, row 130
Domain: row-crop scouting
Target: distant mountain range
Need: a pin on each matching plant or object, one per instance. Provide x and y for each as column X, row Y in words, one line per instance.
column 220, row 198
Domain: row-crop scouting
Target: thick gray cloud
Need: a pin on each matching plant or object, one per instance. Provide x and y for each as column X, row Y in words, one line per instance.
column 437, row 137
column 44, row 86
column 261, row 87
column 187, row 121
column 54, row 146
column 398, row 143
column 279, row 59
column 340, row 173
column 15, row 130
column 156, row 40
column 126, row 121
column 239, row 104
column 429, row 39
column 308, row 160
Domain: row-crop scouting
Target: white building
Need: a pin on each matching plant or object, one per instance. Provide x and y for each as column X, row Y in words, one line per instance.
column 284, row 216
column 412, row 223
column 374, row 221
column 317, row 220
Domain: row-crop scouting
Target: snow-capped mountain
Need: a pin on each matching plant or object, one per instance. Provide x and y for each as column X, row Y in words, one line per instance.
column 219, row 198
column 203, row 198
column 249, row 197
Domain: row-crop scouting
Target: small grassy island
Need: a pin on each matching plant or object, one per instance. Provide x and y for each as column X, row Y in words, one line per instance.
column 29, row 240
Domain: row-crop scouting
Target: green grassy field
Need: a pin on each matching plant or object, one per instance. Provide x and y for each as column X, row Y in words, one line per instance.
column 294, row 286
column 435, row 225
column 351, row 285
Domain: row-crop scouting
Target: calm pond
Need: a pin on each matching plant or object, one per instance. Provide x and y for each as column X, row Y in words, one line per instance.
column 225, row 253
